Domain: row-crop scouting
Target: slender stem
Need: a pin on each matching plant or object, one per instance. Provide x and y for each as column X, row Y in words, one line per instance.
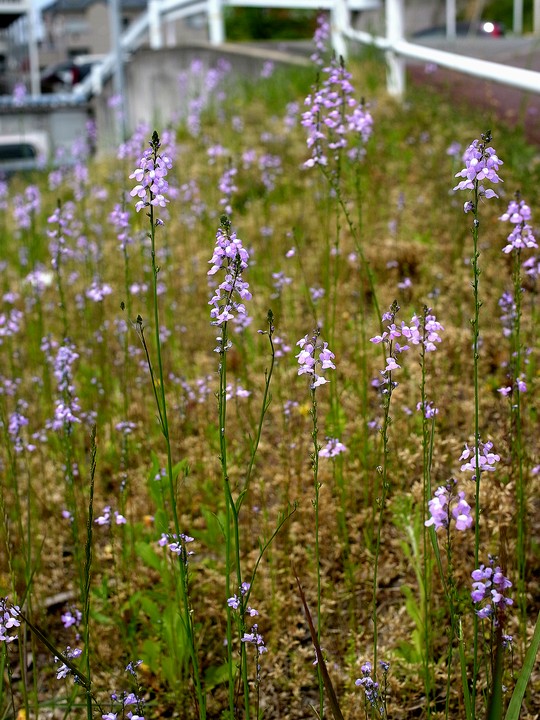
column 476, row 354
column 388, row 390
column 315, row 465
column 161, row 402
column 517, row 441
column 87, row 569
column 426, row 476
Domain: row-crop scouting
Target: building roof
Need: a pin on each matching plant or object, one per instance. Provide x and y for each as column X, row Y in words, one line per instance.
column 62, row 6
column 11, row 11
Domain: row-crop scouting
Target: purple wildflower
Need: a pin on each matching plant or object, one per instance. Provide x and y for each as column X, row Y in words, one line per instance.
column 19, row 94
column 177, row 544
column 481, row 164
column 227, row 188
column 119, row 218
column 314, row 359
column 446, row 504
column 321, row 38
column 9, row 619
column 71, row 618
column 231, row 256
column 98, row 291
column 489, row 585
column 151, row 188
column 61, row 228
column 107, row 516
column 333, row 116
column 430, row 411
column 486, row 458
column 521, row 235
column 332, row 449
column 63, row 671
column 67, row 407
column 132, row 666
column 373, row 695
column 453, row 149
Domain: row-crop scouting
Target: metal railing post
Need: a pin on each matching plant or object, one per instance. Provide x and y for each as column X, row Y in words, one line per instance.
column 216, row 23
column 339, row 21
column 451, row 19
column 154, row 22
column 395, row 25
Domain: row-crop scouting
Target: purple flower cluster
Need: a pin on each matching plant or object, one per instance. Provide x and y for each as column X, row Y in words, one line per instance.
column 230, row 255
column 236, row 601
column 150, row 174
column 119, row 218
column 521, row 236
column 256, row 639
column 9, row 619
column 126, row 699
column 16, row 424
column 60, row 229
column 10, row 323
column 98, row 291
column 67, row 407
column 106, row 518
column 489, row 586
column 445, row 505
column 314, row 359
column 420, row 331
column 334, row 115
column 72, row 617
column 508, row 312
column 430, row 411
column 321, row 38
column 486, row 458
column 332, row 449
column 177, row 544
column 372, row 690
column 26, row 206
column 481, row 164
column 227, row 188
column 63, row 671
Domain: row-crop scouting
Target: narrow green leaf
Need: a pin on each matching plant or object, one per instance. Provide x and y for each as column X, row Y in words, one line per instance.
column 332, row 697
column 519, row 691
column 464, row 683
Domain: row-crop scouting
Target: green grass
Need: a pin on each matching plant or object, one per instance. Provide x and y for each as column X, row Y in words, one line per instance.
column 408, row 224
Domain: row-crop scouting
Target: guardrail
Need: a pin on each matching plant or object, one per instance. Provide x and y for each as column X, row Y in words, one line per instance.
column 398, row 50
column 394, row 44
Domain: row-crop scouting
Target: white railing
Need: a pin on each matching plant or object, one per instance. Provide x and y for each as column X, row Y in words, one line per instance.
column 394, row 44
column 398, row 50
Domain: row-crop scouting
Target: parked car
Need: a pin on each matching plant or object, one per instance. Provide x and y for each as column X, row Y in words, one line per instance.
column 24, row 151
column 485, row 28
column 63, row 76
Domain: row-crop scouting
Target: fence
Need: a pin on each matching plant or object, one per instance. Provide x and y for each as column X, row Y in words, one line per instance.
column 394, row 44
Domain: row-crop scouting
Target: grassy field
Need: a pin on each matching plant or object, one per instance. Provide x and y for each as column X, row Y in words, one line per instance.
column 167, row 473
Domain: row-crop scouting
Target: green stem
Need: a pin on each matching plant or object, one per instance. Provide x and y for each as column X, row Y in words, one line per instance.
column 315, row 465
column 476, row 332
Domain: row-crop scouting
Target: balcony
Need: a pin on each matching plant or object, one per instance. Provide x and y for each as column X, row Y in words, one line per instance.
column 11, row 10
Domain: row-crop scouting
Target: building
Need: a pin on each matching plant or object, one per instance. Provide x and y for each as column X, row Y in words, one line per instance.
column 81, row 27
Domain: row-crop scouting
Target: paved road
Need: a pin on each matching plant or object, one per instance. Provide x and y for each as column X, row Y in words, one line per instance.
column 514, row 107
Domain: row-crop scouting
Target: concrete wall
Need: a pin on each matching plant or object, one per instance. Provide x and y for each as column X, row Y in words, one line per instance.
column 62, row 125
column 153, row 92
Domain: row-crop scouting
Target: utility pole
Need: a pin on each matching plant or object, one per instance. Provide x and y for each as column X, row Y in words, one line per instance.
column 35, row 85
column 118, row 76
